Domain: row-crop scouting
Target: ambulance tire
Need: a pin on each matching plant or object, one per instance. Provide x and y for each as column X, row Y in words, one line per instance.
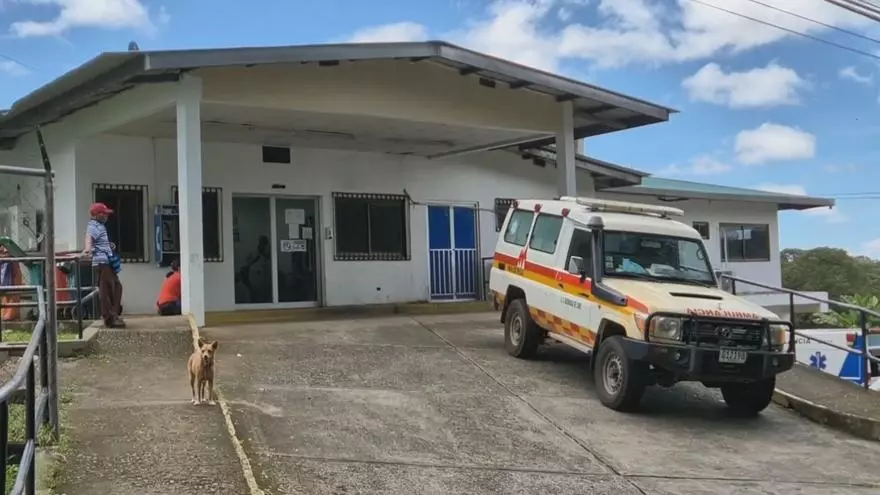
column 522, row 335
column 620, row 381
column 749, row 399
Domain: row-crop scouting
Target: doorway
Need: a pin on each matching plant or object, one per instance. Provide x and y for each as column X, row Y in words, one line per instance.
column 452, row 252
column 275, row 251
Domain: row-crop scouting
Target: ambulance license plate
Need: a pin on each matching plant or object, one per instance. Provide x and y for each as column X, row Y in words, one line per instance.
column 732, row 356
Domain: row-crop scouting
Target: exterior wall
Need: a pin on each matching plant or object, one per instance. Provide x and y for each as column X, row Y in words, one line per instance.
column 718, row 212
column 32, row 192
column 238, row 168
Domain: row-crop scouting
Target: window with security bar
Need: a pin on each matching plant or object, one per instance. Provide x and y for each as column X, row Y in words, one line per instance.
column 212, row 221
column 501, row 207
column 745, row 242
column 127, row 226
column 371, row 227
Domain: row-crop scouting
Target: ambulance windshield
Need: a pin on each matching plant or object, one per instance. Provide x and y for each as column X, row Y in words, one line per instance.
column 657, row 256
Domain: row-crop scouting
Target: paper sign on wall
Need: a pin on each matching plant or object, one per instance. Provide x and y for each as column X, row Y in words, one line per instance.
column 307, row 233
column 293, row 231
column 294, row 216
column 293, row 246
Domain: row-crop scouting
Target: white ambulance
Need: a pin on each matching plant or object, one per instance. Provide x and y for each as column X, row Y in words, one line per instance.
column 634, row 288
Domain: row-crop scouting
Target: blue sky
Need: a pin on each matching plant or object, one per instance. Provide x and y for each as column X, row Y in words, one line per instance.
column 759, row 107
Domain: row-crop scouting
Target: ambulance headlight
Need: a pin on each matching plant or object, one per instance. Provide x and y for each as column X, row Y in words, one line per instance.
column 778, row 336
column 666, row 328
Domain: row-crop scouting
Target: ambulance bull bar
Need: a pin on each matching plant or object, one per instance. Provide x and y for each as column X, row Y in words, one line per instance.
column 720, row 321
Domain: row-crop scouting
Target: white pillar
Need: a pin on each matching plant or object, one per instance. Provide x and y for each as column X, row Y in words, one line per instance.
column 189, row 183
column 565, row 151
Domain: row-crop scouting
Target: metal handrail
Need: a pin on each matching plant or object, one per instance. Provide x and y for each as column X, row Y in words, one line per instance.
column 863, row 317
column 35, row 407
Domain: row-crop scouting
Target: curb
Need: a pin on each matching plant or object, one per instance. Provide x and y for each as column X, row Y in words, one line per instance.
column 66, row 348
column 860, row 426
column 247, row 470
column 221, row 318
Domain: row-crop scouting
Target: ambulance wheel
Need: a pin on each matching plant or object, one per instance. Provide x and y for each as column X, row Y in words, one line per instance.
column 521, row 334
column 620, row 381
column 749, row 399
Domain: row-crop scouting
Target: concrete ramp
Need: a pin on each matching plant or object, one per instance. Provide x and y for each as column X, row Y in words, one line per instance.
column 133, row 429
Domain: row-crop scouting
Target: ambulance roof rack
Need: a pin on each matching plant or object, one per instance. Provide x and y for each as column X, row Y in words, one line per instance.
column 595, row 204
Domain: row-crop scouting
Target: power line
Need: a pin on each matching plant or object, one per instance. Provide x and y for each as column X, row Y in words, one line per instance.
column 790, row 31
column 817, row 22
column 14, row 61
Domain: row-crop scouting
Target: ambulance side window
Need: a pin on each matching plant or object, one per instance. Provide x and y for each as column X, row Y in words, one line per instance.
column 518, row 227
column 581, row 245
column 546, row 233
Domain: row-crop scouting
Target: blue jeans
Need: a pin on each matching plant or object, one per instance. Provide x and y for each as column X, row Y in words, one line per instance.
column 170, row 308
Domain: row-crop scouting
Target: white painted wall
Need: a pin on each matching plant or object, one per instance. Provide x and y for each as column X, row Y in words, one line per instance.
column 718, row 212
column 62, row 158
column 238, row 168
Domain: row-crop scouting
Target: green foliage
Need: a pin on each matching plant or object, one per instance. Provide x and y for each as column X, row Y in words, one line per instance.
column 842, row 318
column 851, row 279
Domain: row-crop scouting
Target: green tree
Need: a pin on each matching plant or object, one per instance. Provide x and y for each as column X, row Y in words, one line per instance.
column 830, row 269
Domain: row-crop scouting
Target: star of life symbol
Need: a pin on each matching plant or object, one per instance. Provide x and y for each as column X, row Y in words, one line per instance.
column 817, row 360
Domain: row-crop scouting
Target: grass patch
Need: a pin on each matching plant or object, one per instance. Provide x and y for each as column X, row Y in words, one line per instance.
column 24, row 336
column 18, row 431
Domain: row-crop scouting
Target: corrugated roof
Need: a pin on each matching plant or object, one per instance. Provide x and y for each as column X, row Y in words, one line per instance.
column 598, row 110
column 675, row 188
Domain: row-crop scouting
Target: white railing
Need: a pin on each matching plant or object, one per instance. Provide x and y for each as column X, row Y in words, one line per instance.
column 453, row 273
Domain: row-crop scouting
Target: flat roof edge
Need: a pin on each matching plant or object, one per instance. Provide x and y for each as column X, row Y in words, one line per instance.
column 788, row 202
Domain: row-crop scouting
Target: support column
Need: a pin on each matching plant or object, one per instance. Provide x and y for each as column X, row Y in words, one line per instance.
column 189, row 184
column 565, row 151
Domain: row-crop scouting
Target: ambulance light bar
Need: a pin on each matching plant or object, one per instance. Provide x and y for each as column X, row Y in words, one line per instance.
column 608, row 205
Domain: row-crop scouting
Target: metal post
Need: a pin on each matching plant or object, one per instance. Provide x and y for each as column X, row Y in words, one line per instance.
column 31, row 428
column 733, row 286
column 79, row 304
column 863, row 317
column 51, row 314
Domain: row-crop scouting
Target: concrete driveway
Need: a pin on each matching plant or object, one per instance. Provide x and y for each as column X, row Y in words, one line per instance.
column 433, row 404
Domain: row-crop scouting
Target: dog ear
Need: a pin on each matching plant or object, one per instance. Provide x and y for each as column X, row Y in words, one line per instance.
column 214, row 345
column 202, row 341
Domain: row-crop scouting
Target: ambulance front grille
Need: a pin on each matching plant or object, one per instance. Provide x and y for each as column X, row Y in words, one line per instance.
column 722, row 335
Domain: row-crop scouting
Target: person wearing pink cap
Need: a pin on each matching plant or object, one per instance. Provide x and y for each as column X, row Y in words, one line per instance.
column 101, row 250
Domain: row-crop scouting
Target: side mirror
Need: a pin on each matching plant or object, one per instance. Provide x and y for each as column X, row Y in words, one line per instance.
column 576, row 266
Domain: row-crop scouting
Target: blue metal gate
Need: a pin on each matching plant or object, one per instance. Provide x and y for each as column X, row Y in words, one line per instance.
column 452, row 252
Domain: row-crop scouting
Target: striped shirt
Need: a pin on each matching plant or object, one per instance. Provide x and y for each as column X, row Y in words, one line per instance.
column 101, row 250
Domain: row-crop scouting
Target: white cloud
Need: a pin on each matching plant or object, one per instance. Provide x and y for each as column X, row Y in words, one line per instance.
column 768, row 86
column 513, row 31
column 13, row 68
column 830, row 215
column 852, row 74
column 871, row 248
column 774, row 142
column 639, row 32
column 399, row 31
column 845, row 167
column 105, row 14
column 648, row 32
column 700, row 166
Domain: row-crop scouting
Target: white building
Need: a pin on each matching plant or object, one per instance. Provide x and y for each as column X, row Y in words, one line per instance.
column 358, row 166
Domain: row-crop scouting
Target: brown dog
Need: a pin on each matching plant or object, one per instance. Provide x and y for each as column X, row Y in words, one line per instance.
column 201, row 372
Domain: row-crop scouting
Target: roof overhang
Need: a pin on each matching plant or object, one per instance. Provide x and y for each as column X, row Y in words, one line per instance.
column 605, row 174
column 782, row 201
column 597, row 110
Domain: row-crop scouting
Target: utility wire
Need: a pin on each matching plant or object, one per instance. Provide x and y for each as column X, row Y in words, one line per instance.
column 791, row 31
column 14, row 61
column 815, row 21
